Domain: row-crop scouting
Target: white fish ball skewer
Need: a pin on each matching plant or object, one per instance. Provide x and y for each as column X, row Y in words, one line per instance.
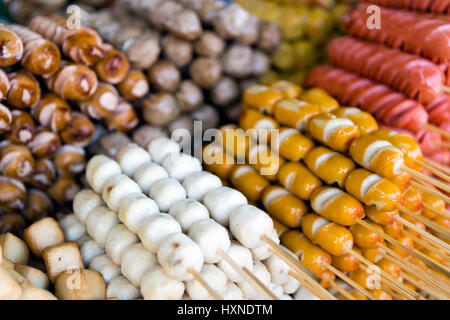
column 178, row 254
column 131, row 157
column 162, row 146
column 134, row 209
column 187, row 212
column 198, row 184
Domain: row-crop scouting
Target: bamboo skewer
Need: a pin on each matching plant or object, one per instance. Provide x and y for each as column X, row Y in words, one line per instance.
column 205, row 285
column 349, row 281
column 436, row 165
column 394, row 295
column 446, row 144
column 446, row 89
column 341, row 290
column 443, row 214
column 296, row 266
column 421, row 287
column 431, row 191
column 417, row 254
column 426, row 245
column 430, row 284
column 436, row 129
column 421, row 177
column 435, row 171
column 308, row 285
column 411, row 294
column 429, row 223
column 264, row 292
column 425, row 234
column 262, row 285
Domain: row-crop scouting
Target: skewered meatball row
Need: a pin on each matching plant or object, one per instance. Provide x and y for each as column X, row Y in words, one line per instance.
column 82, row 45
column 40, row 56
column 200, row 225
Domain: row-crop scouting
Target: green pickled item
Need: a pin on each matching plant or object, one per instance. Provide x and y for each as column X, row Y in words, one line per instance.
column 284, row 58
column 320, row 24
column 305, row 53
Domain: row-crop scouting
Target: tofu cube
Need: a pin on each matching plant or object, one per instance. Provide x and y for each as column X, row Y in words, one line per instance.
column 30, row 292
column 62, row 257
column 35, row 277
column 9, row 288
column 83, row 284
column 14, row 249
column 43, row 234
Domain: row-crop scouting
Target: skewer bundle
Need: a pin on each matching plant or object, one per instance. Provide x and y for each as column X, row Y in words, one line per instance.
column 415, row 64
column 156, row 230
column 332, row 168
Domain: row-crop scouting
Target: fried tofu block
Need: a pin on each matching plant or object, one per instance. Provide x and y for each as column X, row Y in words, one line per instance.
column 36, row 277
column 43, row 234
column 83, row 284
column 9, row 288
column 14, row 249
column 62, row 257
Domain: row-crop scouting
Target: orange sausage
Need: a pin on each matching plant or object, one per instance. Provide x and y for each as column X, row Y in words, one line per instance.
column 336, row 205
column 333, row 238
column 381, row 217
column 372, row 189
column 248, row 181
column 284, row 206
column 363, row 120
column 287, row 89
column 364, row 238
column 310, row 255
column 347, row 262
column 261, row 98
column 293, row 145
column 294, row 113
column 217, row 161
column 298, row 179
column 337, row 133
column 332, row 167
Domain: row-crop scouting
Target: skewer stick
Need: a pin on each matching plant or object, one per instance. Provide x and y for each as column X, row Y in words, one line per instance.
column 446, row 144
column 435, row 171
column 443, row 213
column 436, row 129
column 425, row 234
column 347, row 279
column 432, row 273
column 428, row 222
column 393, row 294
column 297, row 267
column 421, row 287
column 306, row 284
column 387, row 278
column 420, row 176
column 341, row 290
column 430, row 284
column 431, row 191
column 415, row 253
column 436, row 165
column 262, row 291
column 426, row 244
column 262, row 285
column 205, row 285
